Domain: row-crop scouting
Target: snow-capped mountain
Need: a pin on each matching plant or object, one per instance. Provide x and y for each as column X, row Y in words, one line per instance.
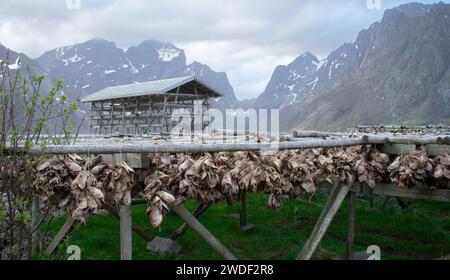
column 396, row 71
column 29, row 68
column 26, row 66
column 19, row 61
column 289, row 83
column 96, row 64
column 217, row 80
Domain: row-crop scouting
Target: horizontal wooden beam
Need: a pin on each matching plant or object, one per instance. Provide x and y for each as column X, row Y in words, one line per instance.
column 404, row 126
column 311, row 133
column 131, row 147
column 420, row 191
column 400, row 149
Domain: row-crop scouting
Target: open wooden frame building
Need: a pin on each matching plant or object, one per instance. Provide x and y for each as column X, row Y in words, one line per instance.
column 144, row 108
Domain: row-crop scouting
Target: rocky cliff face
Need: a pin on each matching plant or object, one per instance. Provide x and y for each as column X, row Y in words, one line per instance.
column 397, row 71
column 289, row 83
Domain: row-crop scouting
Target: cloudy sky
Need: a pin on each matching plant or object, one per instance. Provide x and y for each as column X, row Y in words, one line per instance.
column 246, row 39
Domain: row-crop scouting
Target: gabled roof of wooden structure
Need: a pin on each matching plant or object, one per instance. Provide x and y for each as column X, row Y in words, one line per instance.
column 158, row 87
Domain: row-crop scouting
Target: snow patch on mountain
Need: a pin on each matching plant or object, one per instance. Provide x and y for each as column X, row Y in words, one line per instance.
column 16, row 65
column 107, row 72
column 167, row 54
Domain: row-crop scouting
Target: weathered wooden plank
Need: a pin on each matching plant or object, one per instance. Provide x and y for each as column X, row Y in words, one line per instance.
column 351, row 224
column 125, row 233
column 220, row 147
column 202, row 231
column 60, row 235
column 419, row 192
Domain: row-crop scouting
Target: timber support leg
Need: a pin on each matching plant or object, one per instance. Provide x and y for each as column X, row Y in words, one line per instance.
column 60, row 235
column 243, row 214
column 370, row 198
column 198, row 211
column 125, row 233
column 330, row 209
column 202, row 231
column 384, row 203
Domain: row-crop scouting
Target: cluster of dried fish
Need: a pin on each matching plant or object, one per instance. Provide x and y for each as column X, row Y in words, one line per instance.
column 372, row 168
column 87, row 197
column 287, row 174
column 79, row 187
column 441, row 172
column 116, row 181
column 68, row 186
column 406, row 171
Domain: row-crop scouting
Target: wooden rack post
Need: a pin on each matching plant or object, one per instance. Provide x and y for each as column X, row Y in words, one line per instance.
column 137, row 229
column 125, row 233
column 351, row 224
column 243, row 212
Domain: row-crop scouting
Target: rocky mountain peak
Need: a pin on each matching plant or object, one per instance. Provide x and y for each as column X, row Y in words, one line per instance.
column 93, row 65
column 396, row 71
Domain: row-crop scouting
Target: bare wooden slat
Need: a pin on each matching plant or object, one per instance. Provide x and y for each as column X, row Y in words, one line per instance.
column 202, row 231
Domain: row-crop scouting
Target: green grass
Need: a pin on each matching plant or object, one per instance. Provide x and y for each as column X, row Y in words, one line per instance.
column 422, row 231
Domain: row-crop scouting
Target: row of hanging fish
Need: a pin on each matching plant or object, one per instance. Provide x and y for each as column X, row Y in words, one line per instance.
column 81, row 187
column 283, row 175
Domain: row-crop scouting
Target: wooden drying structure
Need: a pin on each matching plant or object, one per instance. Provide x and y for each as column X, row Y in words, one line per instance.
column 135, row 154
column 144, row 108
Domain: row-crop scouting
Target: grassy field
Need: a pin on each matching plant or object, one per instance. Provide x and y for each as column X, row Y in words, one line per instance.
column 422, row 231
